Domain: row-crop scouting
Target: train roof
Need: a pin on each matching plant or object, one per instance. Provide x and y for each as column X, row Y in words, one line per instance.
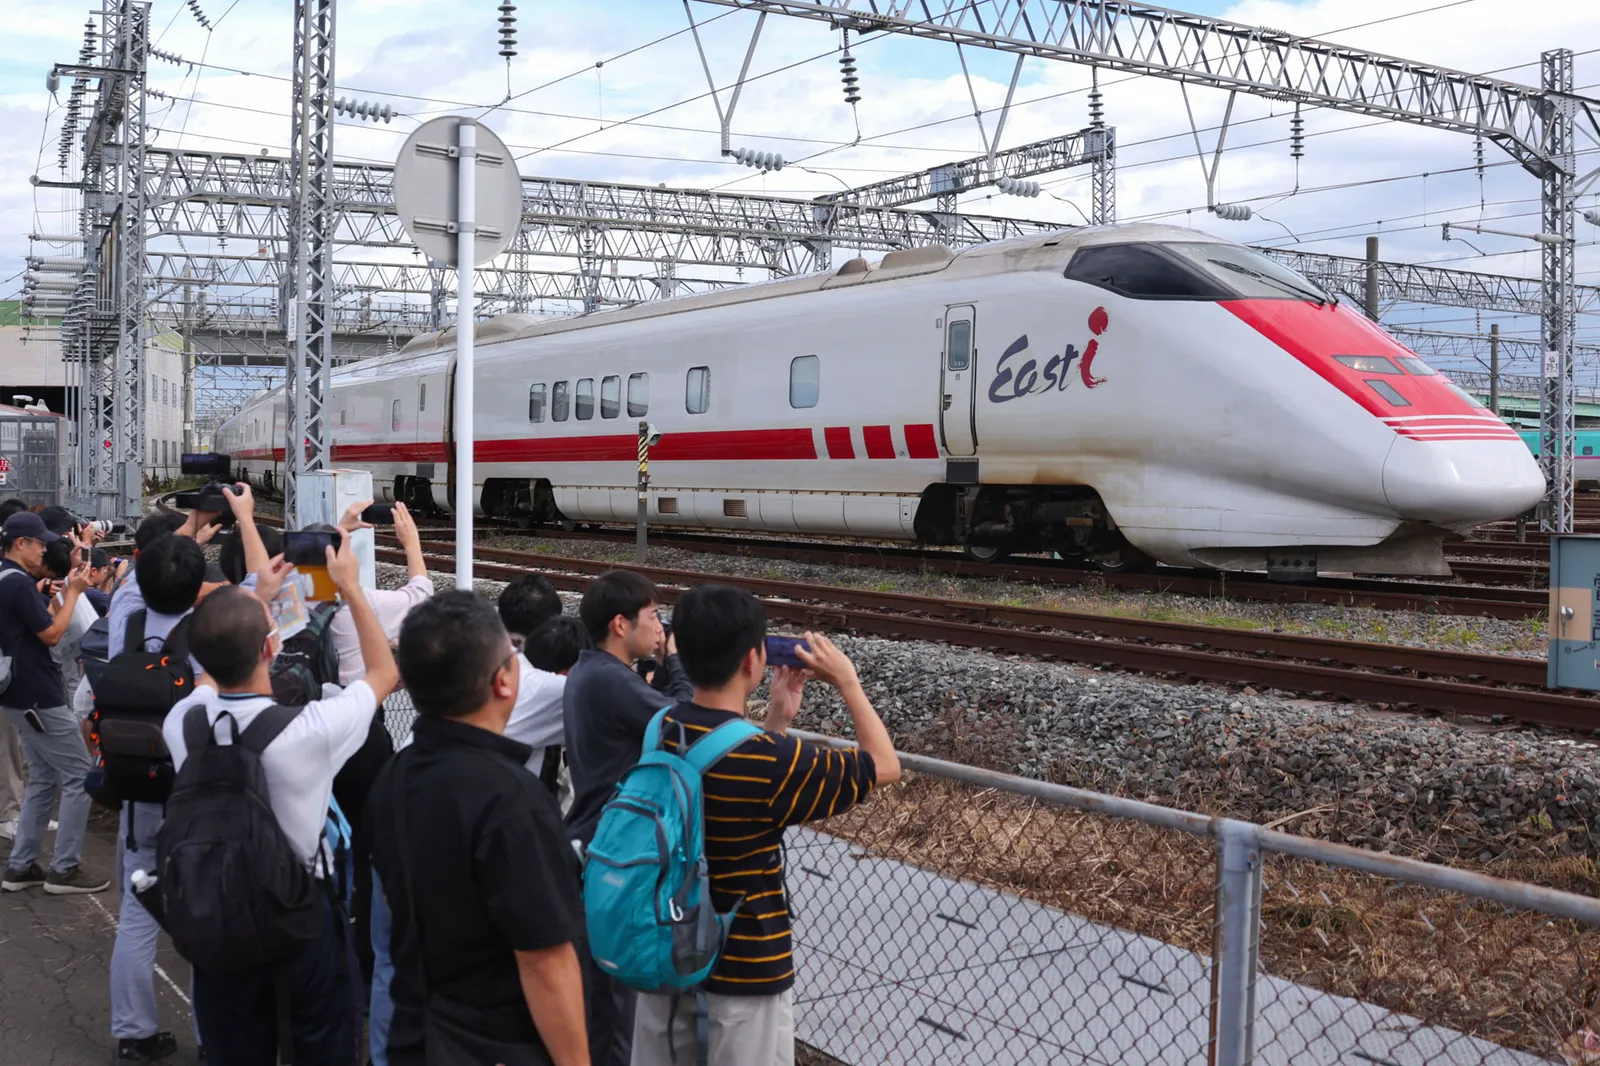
column 1018, row 254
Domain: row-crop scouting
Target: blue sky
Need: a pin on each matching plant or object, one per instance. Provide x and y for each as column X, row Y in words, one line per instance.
column 915, row 111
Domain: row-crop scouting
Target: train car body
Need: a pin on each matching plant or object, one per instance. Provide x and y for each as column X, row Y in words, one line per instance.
column 1119, row 393
column 1585, row 451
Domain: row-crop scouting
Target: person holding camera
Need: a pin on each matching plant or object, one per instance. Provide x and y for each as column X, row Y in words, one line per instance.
column 35, row 703
column 765, row 784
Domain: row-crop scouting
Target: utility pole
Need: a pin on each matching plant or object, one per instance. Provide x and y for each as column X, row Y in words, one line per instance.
column 1557, row 420
column 641, row 542
column 1494, row 367
column 1372, row 278
column 311, row 219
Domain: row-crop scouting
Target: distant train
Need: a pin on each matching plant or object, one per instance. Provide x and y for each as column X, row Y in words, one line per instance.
column 1586, row 451
column 1117, row 394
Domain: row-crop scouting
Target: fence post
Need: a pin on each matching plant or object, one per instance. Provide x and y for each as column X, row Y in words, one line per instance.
column 1236, row 945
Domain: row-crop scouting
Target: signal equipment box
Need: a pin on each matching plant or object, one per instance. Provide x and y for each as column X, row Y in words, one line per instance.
column 1574, row 607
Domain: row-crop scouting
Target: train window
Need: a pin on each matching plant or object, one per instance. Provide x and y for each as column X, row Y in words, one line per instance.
column 559, row 399
column 1249, row 274
column 1588, row 449
column 1417, row 366
column 697, row 390
column 1144, row 272
column 583, row 407
column 958, row 345
column 805, row 380
column 1388, row 392
column 638, row 395
column 536, row 396
column 394, row 415
column 1369, row 364
column 610, row 396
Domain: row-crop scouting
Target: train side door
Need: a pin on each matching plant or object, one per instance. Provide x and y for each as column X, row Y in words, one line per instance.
column 957, row 376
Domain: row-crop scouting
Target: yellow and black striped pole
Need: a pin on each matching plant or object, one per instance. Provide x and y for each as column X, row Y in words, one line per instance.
column 641, row 538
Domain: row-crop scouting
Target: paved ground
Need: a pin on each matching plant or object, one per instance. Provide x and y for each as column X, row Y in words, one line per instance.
column 55, row 964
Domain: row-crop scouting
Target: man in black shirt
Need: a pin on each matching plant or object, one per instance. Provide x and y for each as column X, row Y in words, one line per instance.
column 607, row 706
column 35, row 702
column 475, row 864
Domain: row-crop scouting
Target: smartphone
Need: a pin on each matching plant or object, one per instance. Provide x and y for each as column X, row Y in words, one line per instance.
column 379, row 514
column 34, row 720
column 780, row 651
column 308, row 549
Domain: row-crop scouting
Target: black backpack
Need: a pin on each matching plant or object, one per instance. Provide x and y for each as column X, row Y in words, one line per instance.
column 234, row 895
column 307, row 661
column 133, row 693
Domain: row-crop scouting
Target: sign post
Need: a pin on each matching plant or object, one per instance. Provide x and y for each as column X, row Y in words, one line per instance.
column 459, row 197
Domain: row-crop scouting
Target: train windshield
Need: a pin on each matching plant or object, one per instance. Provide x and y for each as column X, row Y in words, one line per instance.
column 1249, row 273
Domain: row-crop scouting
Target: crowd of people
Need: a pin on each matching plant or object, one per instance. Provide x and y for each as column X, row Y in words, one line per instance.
column 459, row 900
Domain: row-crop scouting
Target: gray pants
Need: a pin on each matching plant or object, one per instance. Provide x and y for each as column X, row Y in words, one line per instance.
column 10, row 772
column 134, row 1014
column 745, row 1030
column 58, row 762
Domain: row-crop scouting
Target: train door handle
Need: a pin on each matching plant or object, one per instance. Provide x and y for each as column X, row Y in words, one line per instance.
column 947, row 400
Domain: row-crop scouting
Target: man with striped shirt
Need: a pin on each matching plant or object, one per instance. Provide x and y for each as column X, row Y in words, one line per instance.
column 768, row 783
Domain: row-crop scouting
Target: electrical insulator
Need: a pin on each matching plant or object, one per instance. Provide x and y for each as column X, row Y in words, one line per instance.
column 199, row 16
column 1297, row 135
column 1097, row 111
column 766, row 162
column 1232, row 212
column 847, row 74
column 1592, row 217
column 508, row 29
column 168, row 56
column 1018, row 187
column 363, row 109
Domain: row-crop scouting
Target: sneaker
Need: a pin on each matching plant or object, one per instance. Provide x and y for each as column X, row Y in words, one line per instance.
column 9, row 829
column 17, row 879
column 75, row 882
column 147, row 1048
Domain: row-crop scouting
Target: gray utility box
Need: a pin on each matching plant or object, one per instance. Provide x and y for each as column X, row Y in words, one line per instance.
column 33, row 450
column 1574, row 607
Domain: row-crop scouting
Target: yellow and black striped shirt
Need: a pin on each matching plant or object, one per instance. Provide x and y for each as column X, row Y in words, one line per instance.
column 765, row 784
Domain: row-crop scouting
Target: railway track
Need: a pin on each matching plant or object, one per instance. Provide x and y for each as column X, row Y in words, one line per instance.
column 1402, row 678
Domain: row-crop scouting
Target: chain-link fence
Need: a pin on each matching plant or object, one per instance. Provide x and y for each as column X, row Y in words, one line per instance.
column 967, row 916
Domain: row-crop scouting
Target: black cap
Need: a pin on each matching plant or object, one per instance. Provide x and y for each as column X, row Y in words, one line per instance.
column 28, row 524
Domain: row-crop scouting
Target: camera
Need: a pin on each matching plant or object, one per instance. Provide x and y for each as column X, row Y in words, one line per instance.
column 106, row 528
column 210, row 498
column 214, row 465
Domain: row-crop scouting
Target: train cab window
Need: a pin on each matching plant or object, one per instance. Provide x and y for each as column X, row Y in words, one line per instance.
column 536, row 400
column 697, row 390
column 610, row 396
column 638, row 395
column 394, row 415
column 560, row 398
column 1144, row 272
column 958, row 345
column 1388, row 392
column 805, row 381
column 583, row 407
column 1417, row 366
column 1369, row 364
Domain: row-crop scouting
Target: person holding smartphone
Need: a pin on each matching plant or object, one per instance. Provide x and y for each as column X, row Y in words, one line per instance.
column 35, row 702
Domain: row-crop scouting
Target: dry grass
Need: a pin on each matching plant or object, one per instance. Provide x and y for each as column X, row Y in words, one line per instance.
column 1515, row 978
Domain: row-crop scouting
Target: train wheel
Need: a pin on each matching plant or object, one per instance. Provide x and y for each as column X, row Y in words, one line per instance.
column 1125, row 560
column 985, row 553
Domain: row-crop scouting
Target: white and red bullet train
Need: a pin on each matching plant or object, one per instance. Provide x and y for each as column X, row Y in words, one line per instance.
column 1119, row 393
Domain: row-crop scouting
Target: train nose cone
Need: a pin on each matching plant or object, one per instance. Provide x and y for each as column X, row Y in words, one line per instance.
column 1454, row 483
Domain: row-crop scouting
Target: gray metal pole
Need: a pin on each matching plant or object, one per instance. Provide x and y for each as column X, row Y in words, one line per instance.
column 466, row 309
column 1237, row 938
column 1557, row 277
column 641, row 542
column 1372, row 278
column 1494, row 367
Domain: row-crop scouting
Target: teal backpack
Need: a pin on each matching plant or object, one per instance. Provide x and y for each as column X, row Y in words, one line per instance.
column 646, row 888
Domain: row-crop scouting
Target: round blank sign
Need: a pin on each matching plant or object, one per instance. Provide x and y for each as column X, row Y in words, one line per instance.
column 426, row 176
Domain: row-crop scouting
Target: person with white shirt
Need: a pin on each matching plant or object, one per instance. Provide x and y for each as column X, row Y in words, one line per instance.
column 525, row 604
column 233, row 637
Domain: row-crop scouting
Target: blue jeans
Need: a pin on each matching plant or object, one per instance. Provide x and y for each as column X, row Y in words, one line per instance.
column 381, row 1010
column 58, row 762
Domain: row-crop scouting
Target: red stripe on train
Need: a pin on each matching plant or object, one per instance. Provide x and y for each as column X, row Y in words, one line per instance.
column 879, row 442
column 837, row 439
